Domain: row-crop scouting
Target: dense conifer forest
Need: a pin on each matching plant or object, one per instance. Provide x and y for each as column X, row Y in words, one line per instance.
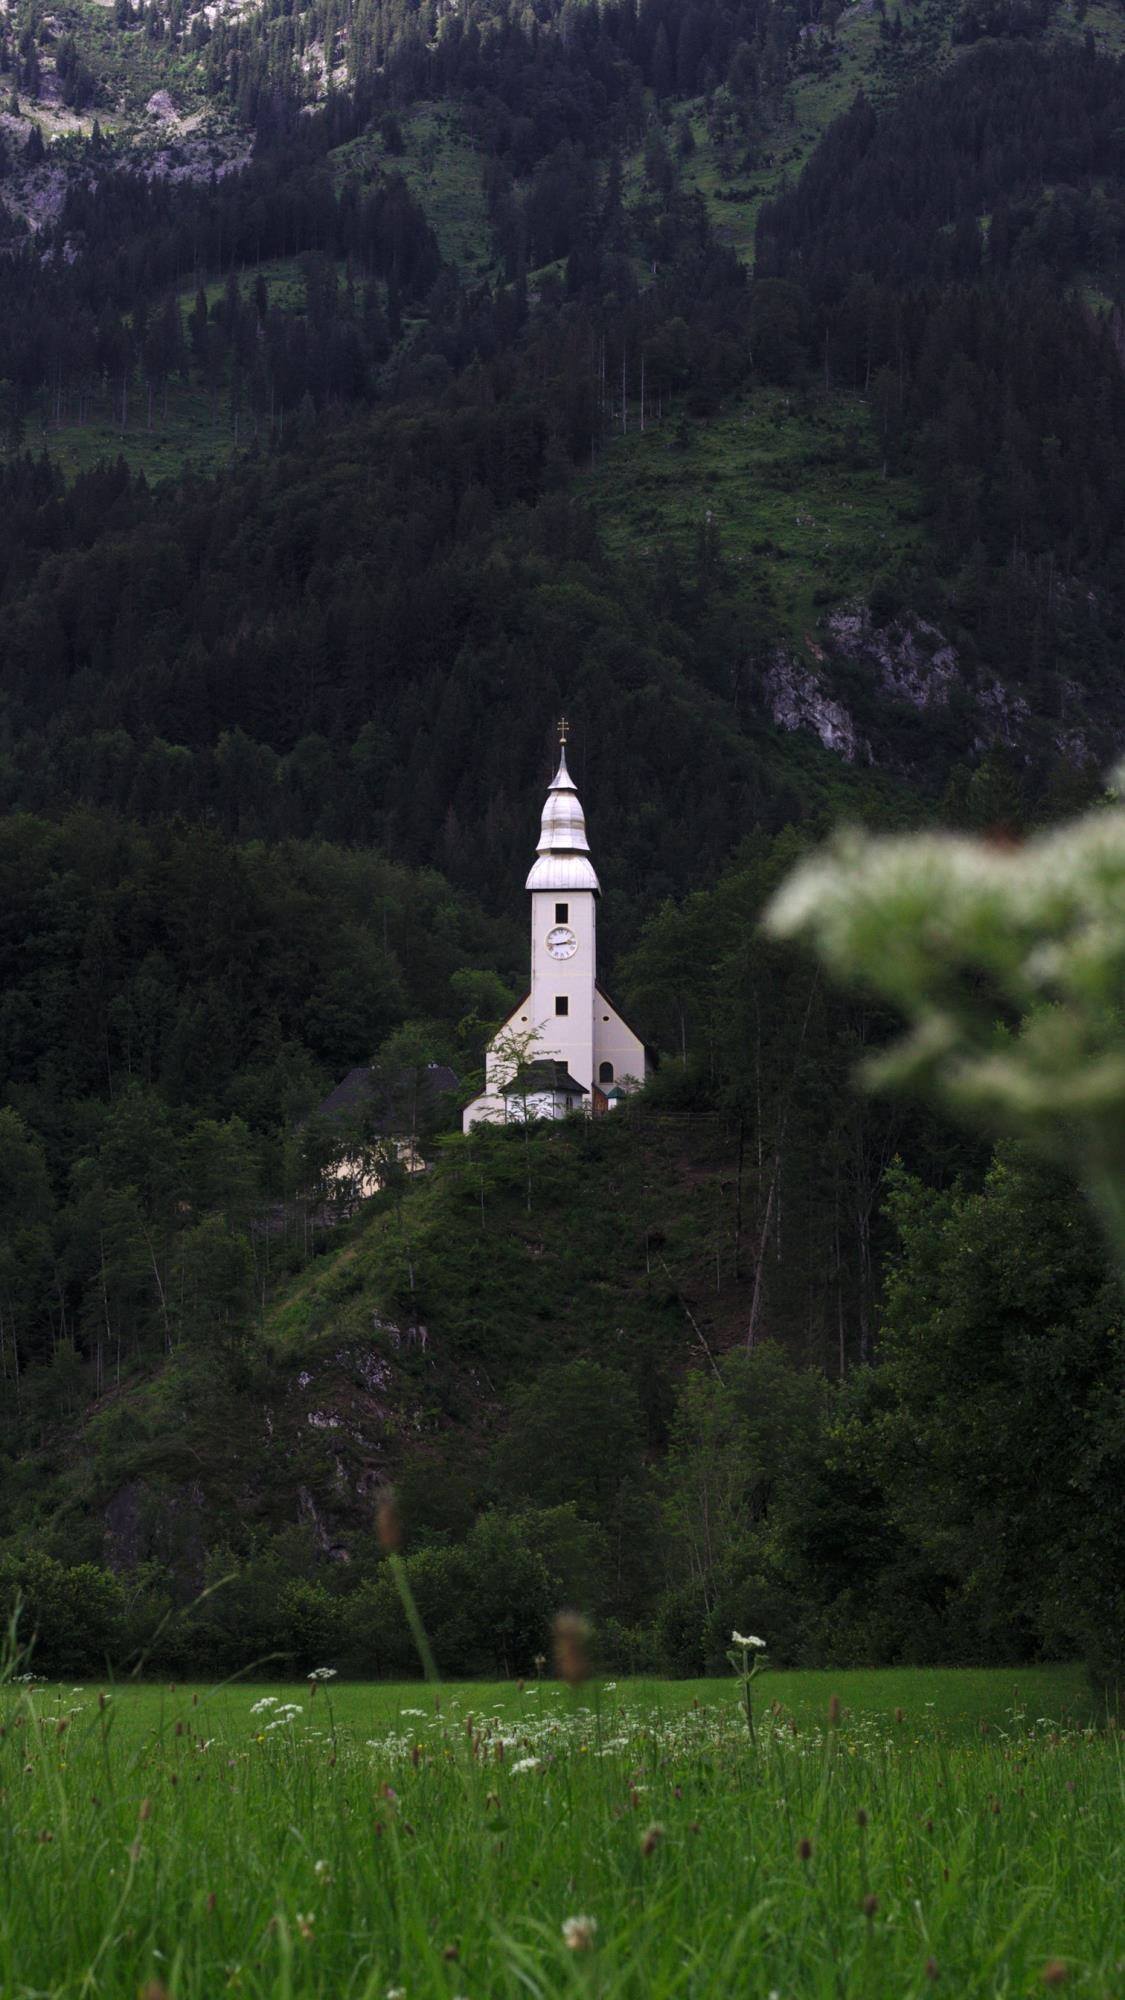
column 279, row 667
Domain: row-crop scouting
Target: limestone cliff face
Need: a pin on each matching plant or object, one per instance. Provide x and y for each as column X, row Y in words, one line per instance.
column 850, row 682
column 797, row 696
column 311, row 1440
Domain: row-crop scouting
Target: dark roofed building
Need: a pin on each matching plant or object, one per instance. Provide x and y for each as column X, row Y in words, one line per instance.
column 399, row 1106
column 542, row 1089
column 377, row 1122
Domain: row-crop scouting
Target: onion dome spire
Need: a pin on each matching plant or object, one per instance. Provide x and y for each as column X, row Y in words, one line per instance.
column 563, row 848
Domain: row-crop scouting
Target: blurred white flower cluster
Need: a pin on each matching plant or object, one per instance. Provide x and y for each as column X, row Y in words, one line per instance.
column 1008, row 961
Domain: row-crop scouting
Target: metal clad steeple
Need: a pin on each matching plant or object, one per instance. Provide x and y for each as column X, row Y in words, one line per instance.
column 563, row 848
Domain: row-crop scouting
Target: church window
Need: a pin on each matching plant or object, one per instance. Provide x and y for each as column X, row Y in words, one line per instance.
column 605, row 1072
column 562, row 1003
column 562, row 913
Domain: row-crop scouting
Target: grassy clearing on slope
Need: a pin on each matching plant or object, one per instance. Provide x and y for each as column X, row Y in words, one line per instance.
column 1101, row 19
column 442, row 169
column 797, row 495
column 860, row 57
column 192, row 431
column 185, row 426
column 815, row 97
column 129, row 66
column 183, row 1843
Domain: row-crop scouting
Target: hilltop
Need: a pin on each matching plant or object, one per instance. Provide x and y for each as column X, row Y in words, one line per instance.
column 395, row 1354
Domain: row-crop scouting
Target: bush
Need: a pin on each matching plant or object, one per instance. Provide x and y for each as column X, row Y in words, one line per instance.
column 485, row 1606
column 72, row 1618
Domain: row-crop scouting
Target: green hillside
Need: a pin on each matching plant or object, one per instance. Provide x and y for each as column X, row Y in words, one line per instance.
column 544, row 1349
column 375, row 387
column 400, row 1347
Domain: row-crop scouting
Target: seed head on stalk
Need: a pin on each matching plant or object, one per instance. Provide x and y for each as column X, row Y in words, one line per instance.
column 747, row 1657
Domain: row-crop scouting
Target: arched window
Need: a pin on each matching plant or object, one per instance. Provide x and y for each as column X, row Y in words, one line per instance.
column 605, row 1072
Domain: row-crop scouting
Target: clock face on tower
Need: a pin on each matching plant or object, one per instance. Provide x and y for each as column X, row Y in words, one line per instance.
column 561, row 942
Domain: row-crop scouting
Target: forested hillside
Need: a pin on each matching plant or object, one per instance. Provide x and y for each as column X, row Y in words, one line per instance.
column 374, row 384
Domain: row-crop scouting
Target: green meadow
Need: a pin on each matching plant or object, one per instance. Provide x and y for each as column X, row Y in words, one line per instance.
column 945, row 1831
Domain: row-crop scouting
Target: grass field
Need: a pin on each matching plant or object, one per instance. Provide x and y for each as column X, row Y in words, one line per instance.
column 957, row 1832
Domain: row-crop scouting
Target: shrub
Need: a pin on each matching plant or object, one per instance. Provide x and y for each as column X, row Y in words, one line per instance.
column 71, row 1617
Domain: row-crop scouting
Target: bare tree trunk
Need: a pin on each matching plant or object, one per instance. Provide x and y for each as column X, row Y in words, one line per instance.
column 160, row 1293
column 839, row 1283
column 763, row 1239
column 691, row 1320
column 15, row 1353
column 738, row 1197
column 105, row 1315
column 756, row 1295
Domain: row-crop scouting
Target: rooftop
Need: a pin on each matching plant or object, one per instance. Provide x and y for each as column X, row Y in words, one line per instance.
column 546, row 1074
column 391, row 1103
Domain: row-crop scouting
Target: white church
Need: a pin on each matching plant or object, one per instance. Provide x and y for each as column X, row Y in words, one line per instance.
column 565, row 1047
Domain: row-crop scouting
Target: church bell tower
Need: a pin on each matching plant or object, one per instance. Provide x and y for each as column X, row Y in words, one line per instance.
column 565, row 1047
column 564, row 889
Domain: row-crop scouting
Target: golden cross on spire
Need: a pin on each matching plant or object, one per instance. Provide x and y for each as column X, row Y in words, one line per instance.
column 564, row 730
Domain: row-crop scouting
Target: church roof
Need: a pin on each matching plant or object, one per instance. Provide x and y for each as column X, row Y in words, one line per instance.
column 546, row 1073
column 564, row 851
column 388, row 1102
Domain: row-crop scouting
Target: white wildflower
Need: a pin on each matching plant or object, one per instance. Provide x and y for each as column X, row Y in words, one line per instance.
column 260, row 1707
column 525, row 1764
column 579, row 1932
column 322, row 1674
column 748, row 1639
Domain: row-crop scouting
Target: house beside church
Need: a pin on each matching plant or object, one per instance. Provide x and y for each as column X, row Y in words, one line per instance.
column 565, row 1047
column 370, row 1123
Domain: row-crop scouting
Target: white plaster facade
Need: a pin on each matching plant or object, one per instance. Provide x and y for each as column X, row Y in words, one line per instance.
column 565, row 1017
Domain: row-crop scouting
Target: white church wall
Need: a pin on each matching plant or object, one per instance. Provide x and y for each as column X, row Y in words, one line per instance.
column 615, row 1042
column 484, row 1110
column 567, row 1037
